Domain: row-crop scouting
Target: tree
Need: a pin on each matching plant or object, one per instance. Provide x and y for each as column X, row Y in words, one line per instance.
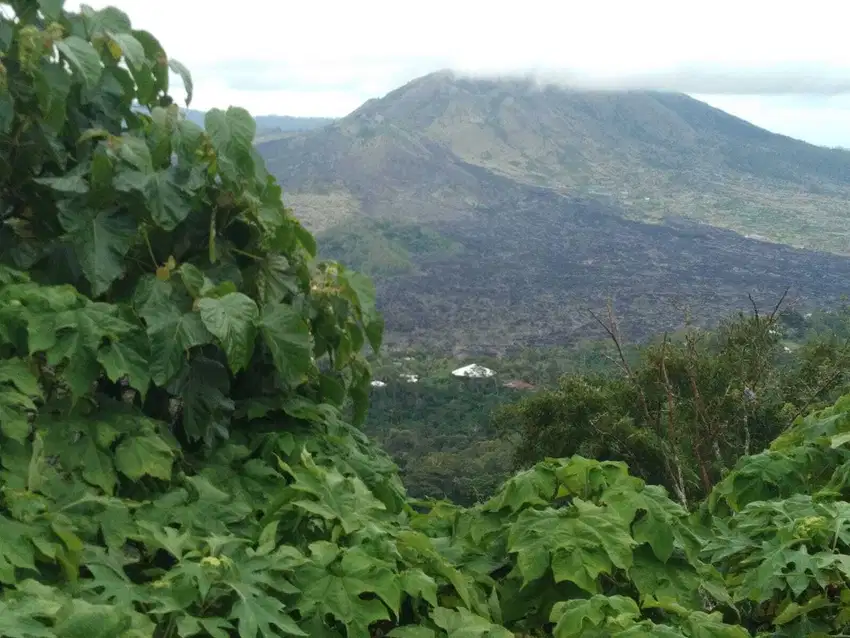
column 688, row 409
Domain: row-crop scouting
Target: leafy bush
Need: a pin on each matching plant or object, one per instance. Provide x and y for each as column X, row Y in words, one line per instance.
column 685, row 410
column 780, row 527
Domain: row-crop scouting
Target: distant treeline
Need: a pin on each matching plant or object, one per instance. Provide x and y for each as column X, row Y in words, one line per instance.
column 680, row 409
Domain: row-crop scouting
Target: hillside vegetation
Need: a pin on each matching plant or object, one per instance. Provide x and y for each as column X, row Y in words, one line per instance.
column 724, row 393
column 548, row 201
column 174, row 364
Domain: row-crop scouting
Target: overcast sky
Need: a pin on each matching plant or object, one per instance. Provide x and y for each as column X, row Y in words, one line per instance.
column 785, row 67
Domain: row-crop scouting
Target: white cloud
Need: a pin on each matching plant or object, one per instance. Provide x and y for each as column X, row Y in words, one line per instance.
column 325, row 57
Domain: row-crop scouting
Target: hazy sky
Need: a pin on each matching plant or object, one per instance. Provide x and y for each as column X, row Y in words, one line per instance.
column 783, row 66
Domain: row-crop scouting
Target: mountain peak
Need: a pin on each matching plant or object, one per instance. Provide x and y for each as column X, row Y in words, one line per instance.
column 409, row 96
column 418, row 102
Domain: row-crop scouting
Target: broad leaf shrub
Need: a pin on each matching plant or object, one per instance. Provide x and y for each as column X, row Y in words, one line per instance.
column 174, row 370
column 780, row 529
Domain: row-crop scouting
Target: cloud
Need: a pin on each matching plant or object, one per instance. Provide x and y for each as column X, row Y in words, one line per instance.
column 325, row 57
column 781, row 79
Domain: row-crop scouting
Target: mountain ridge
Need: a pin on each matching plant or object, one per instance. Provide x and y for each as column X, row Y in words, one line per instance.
column 698, row 162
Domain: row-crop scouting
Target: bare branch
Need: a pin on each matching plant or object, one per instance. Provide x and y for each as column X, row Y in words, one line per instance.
column 779, row 303
column 755, row 307
column 613, row 332
column 672, row 437
column 814, row 395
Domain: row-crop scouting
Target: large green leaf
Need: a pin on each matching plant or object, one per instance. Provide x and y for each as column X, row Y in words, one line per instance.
column 133, row 150
column 185, row 77
column 84, row 620
column 582, row 547
column 82, row 444
column 74, row 338
column 16, row 550
column 660, row 523
column 51, row 9
column 65, row 184
column 257, row 614
column 276, row 279
column 99, row 22
column 361, row 290
column 232, row 135
column 233, row 320
column 327, row 494
column 101, row 240
column 97, row 465
column 287, row 336
column 593, row 616
column 18, row 622
column 53, row 85
column 128, row 358
column 132, row 49
column 18, row 391
column 172, row 330
column 204, row 388
column 232, row 130
column 340, row 593
column 144, row 455
column 214, row 627
column 165, row 200
column 417, row 583
column 412, row 631
column 82, row 57
column 462, row 623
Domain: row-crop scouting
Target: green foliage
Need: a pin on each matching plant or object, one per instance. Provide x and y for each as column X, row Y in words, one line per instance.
column 174, row 364
column 579, row 547
column 780, row 529
column 172, row 360
column 684, row 409
column 438, row 430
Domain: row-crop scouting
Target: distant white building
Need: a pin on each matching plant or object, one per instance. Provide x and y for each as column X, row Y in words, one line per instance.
column 473, row 371
column 378, row 384
column 410, row 378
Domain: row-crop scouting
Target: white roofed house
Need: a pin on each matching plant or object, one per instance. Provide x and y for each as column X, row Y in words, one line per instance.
column 473, row 371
